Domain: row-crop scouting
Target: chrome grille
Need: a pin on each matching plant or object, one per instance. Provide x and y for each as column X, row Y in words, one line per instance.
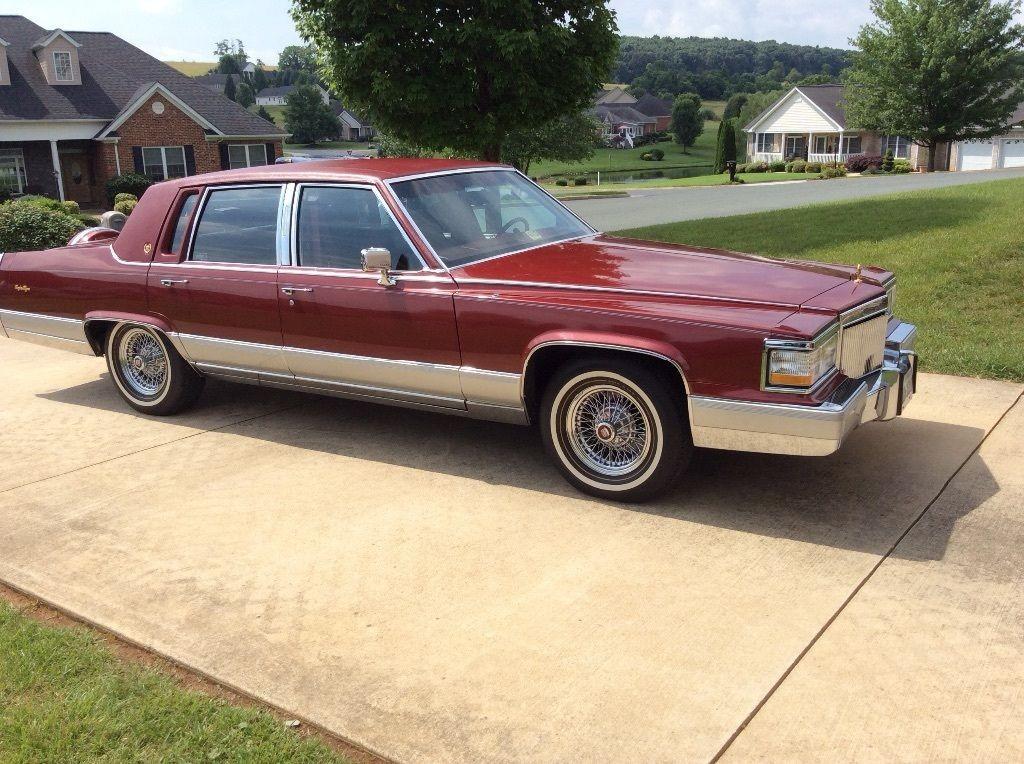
column 862, row 345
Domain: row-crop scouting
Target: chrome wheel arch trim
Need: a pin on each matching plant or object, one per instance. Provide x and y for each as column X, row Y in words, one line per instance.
column 600, row 346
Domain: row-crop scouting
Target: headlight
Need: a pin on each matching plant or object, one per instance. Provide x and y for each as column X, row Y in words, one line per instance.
column 801, row 367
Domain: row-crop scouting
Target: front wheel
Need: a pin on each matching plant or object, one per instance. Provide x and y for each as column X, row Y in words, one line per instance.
column 148, row 372
column 615, row 429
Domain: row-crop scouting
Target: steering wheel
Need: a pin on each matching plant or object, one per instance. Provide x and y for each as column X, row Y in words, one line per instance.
column 513, row 221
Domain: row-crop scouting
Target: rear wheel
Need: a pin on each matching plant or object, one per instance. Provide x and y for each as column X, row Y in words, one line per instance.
column 148, row 372
column 615, row 429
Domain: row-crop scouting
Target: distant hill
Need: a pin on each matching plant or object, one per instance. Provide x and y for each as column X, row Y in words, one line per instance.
column 718, row 67
column 197, row 68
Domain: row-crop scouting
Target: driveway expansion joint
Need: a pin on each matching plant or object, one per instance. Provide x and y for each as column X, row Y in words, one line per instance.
column 857, row 589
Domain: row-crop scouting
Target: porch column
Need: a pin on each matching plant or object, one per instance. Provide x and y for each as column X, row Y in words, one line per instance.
column 56, row 169
column 810, row 145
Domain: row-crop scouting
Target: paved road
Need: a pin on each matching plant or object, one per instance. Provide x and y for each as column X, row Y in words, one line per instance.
column 669, row 205
column 429, row 587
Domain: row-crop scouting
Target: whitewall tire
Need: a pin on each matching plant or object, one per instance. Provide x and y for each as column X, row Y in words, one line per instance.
column 148, row 372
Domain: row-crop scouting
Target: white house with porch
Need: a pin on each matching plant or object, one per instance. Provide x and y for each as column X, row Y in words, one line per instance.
column 810, row 123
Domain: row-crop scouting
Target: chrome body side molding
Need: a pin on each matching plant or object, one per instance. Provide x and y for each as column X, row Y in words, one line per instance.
column 50, row 331
column 773, row 428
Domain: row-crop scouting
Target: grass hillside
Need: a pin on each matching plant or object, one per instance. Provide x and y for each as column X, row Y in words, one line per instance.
column 192, row 68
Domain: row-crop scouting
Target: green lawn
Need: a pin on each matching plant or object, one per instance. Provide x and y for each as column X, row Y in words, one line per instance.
column 958, row 254
column 361, row 145
column 65, row 697
column 276, row 114
column 703, row 153
column 697, row 180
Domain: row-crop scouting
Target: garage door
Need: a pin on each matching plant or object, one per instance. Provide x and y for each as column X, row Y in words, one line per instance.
column 976, row 155
column 1013, row 153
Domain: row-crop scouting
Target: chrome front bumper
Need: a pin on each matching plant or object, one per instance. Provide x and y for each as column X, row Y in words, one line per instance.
column 812, row 430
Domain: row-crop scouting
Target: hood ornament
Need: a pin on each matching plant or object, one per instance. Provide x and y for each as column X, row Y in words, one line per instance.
column 857, row 273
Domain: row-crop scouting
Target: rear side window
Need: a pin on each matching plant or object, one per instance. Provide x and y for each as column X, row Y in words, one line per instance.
column 238, row 225
column 336, row 223
column 184, row 215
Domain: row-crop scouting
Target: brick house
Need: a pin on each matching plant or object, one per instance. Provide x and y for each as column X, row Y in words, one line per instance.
column 621, row 114
column 78, row 108
column 810, row 122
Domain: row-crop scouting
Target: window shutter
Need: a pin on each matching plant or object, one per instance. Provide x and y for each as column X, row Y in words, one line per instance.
column 271, row 153
column 190, row 160
column 224, row 165
column 137, row 158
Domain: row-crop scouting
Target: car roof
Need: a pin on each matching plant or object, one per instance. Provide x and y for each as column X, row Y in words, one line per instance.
column 364, row 170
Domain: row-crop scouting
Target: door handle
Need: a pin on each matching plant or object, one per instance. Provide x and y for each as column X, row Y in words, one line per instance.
column 172, row 282
column 289, row 291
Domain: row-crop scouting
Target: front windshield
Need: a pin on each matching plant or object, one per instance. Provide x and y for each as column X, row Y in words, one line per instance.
column 471, row 216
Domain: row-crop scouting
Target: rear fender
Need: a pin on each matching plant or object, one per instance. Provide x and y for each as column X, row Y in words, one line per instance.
column 99, row 322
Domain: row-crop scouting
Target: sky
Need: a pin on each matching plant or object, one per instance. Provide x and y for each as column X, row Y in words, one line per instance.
column 188, row 29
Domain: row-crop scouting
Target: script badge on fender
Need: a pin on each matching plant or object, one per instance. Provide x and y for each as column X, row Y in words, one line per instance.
column 22, row 288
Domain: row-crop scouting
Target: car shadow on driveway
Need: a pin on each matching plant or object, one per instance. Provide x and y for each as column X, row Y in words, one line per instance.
column 862, row 498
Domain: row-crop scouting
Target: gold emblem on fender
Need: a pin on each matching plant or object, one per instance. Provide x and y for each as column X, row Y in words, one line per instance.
column 148, row 248
column 22, row 288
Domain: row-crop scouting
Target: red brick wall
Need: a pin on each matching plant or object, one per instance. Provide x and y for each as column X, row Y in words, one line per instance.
column 171, row 128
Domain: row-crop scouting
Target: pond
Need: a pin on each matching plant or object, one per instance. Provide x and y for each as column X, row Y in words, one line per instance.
column 631, row 176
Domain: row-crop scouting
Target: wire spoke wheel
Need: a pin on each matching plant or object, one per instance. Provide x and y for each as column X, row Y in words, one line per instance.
column 142, row 362
column 608, row 430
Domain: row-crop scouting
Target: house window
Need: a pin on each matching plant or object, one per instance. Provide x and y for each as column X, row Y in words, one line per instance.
column 246, row 155
column 163, row 162
column 766, row 143
column 826, row 144
column 897, row 144
column 852, row 144
column 12, row 171
column 62, row 66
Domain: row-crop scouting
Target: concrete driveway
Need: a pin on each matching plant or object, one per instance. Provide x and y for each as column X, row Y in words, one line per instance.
column 429, row 588
column 670, row 205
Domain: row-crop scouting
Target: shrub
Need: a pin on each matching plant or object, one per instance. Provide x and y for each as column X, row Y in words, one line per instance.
column 758, row 167
column 837, row 171
column 657, row 155
column 708, row 114
column 125, row 206
column 44, row 202
column 130, row 183
column 579, row 181
column 31, row 226
column 742, row 167
column 887, row 161
column 862, row 162
column 646, row 156
column 901, row 166
column 812, row 167
column 561, row 182
column 777, row 166
column 798, row 165
column 123, row 197
column 71, row 207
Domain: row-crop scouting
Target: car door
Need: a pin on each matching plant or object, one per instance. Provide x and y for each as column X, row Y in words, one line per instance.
column 217, row 286
column 344, row 330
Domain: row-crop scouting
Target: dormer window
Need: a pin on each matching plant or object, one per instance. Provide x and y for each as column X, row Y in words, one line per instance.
column 62, row 71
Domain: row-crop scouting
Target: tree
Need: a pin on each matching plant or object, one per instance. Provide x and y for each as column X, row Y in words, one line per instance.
column 262, row 113
column 307, row 117
column 937, row 70
column 569, row 138
column 244, row 95
column 734, row 105
column 231, row 56
column 725, row 147
column 757, row 104
column 687, row 122
column 259, row 78
column 229, row 88
column 298, row 58
column 464, row 75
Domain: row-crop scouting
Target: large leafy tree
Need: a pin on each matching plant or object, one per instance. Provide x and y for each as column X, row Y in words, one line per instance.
column 462, row 74
column 687, row 120
column 570, row 138
column 307, row 117
column 937, row 70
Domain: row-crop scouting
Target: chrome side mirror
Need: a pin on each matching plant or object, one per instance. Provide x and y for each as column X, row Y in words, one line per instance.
column 378, row 259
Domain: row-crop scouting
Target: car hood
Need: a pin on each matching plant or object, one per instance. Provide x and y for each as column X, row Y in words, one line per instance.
column 635, row 266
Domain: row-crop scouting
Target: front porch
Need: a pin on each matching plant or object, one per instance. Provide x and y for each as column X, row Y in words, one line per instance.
column 813, row 147
column 61, row 169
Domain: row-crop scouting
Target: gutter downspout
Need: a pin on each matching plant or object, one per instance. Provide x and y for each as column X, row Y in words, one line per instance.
column 56, row 169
